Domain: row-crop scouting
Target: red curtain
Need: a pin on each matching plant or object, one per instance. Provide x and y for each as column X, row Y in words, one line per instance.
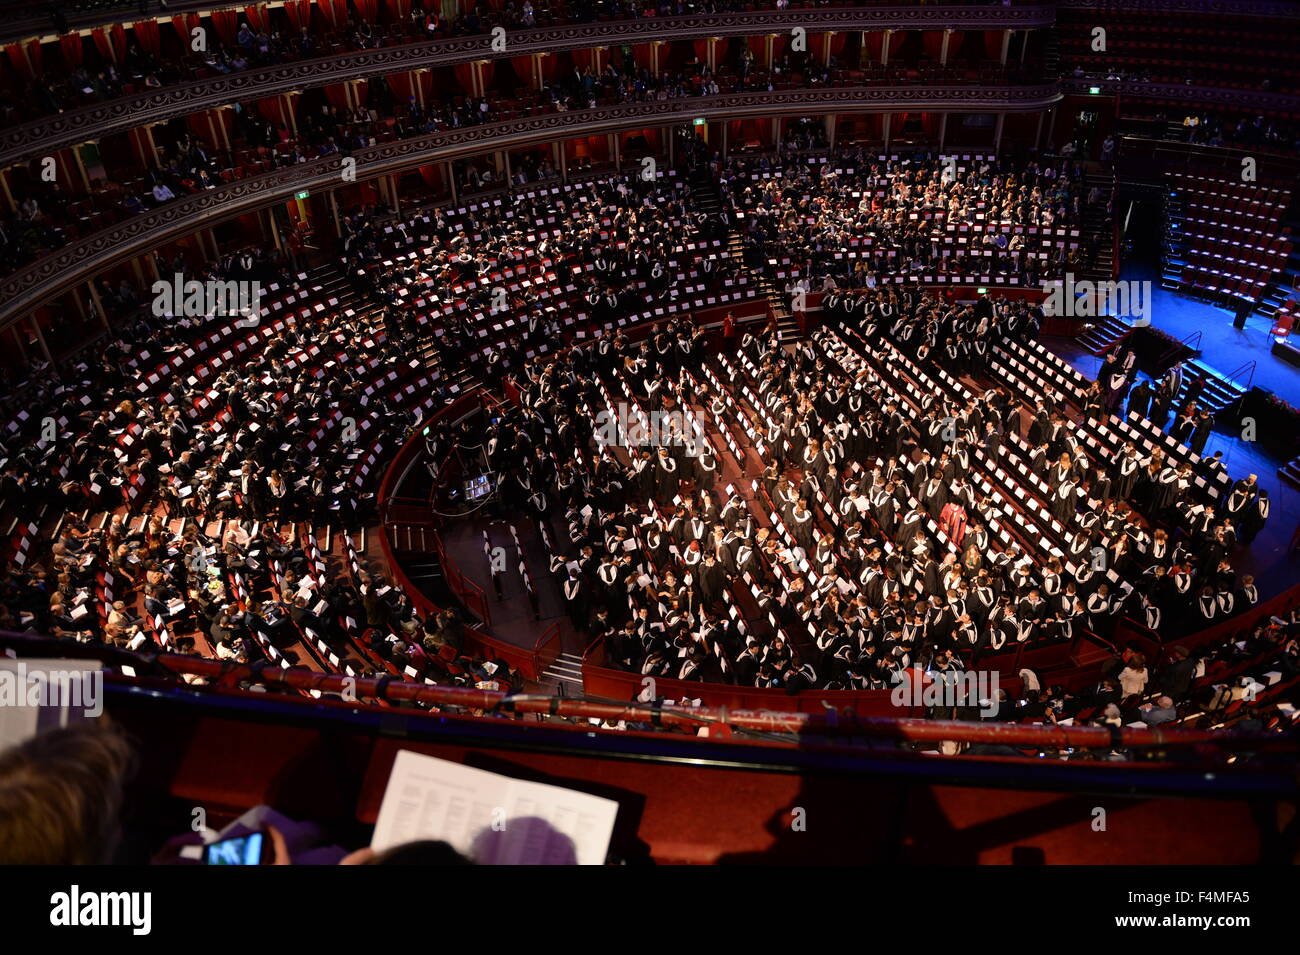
column 299, row 12
column 257, row 18
column 426, row 83
column 525, row 70
column 399, row 9
column 964, row 45
column 72, row 49
column 185, row 25
column 140, row 143
column 201, row 127
column 400, row 83
column 932, row 43
column 272, row 108
column 641, row 53
column 431, row 175
column 818, row 42
column 993, row 44
column 111, row 43
column 550, row 65
column 368, row 9
column 876, row 44
column 226, row 23
column 587, row 58
column 35, row 57
column 338, row 95
column 334, row 11
column 465, row 75
column 18, row 58
column 758, row 45
column 148, row 36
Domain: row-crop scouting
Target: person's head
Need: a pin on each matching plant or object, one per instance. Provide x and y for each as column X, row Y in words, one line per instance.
column 60, row 796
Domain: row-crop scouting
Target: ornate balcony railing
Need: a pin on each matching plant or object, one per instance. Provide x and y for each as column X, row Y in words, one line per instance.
column 1203, row 8
column 74, row 263
column 29, row 19
column 1221, row 97
column 45, row 135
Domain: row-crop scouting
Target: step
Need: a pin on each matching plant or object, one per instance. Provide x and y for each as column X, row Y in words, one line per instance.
column 1290, row 472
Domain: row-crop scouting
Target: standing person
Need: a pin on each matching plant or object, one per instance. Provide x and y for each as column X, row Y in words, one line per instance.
column 1201, row 432
column 1139, row 398
column 1133, row 678
column 1254, row 517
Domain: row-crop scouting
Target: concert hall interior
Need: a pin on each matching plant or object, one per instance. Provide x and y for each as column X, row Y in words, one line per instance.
column 703, row 431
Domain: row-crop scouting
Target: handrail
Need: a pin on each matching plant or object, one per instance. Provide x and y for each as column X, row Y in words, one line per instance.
column 1248, row 367
column 470, row 593
column 546, row 649
column 1194, row 336
column 228, row 674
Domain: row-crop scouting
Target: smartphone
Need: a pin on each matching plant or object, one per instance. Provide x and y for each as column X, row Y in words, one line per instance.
column 251, row 849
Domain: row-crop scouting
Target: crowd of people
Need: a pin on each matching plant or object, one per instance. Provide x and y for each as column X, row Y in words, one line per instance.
column 187, row 165
column 658, row 548
column 160, row 497
column 624, row 241
column 889, row 551
column 902, row 217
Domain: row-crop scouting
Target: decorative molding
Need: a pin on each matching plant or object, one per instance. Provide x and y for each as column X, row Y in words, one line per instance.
column 1223, row 96
column 45, row 135
column 40, row 24
column 75, row 263
column 1284, row 9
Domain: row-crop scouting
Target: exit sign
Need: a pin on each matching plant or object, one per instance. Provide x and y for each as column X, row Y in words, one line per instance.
column 701, row 122
column 301, row 195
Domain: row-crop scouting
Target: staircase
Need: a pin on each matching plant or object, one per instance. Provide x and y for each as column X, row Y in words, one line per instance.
column 1290, row 472
column 1288, row 280
column 1171, row 249
column 709, row 200
column 1052, row 55
column 1220, row 390
column 565, row 673
column 1097, row 222
column 338, row 286
column 1103, row 335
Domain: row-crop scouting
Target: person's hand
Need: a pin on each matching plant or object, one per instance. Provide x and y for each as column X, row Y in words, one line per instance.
column 359, row 857
column 281, row 847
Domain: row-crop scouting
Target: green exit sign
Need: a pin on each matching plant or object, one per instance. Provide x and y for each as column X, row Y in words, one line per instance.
column 301, row 195
column 701, row 122
column 1094, row 90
